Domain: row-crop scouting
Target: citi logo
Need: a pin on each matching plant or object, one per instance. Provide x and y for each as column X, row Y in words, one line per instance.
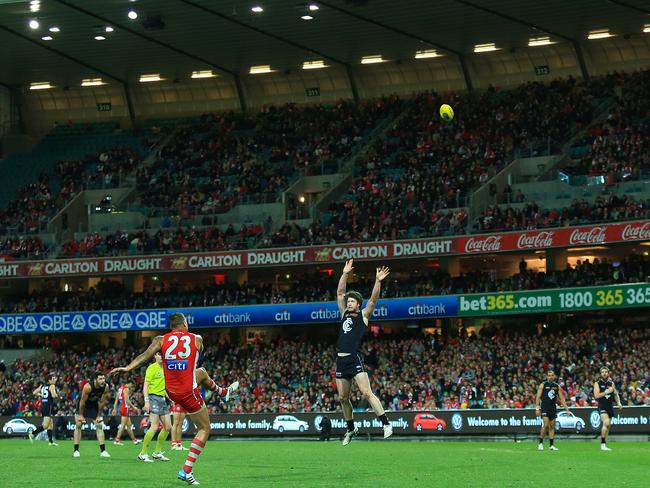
column 283, row 316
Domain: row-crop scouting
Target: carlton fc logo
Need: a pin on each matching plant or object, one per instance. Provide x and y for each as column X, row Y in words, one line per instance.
column 347, row 325
column 594, row 419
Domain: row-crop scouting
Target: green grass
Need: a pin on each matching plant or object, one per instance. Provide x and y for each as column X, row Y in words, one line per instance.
column 312, row 464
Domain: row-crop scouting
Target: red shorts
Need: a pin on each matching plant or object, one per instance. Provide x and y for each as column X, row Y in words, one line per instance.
column 191, row 401
column 177, row 408
column 124, row 411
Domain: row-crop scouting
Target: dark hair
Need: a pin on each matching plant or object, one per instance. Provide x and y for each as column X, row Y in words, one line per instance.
column 51, row 376
column 97, row 374
column 356, row 295
column 176, row 320
column 603, row 367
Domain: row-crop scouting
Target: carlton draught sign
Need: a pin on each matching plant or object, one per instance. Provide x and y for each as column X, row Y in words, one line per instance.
column 375, row 251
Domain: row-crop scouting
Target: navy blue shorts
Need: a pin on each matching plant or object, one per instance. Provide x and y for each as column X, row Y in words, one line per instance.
column 606, row 409
column 347, row 367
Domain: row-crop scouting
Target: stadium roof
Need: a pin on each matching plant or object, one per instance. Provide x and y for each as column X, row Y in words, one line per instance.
column 176, row 37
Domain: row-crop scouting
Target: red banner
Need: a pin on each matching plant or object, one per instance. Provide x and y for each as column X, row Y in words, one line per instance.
column 369, row 251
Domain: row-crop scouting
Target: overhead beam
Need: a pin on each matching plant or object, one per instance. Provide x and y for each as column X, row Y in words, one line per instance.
column 276, row 37
column 402, row 32
column 516, row 20
column 162, row 44
column 630, row 6
column 61, row 53
column 76, row 61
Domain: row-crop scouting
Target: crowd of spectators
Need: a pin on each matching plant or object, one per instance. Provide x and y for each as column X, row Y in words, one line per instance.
column 412, row 182
column 35, row 204
column 29, row 211
column 424, row 166
column 210, row 166
column 494, row 368
column 314, row 287
column 23, row 247
column 532, row 216
column 163, row 241
column 618, row 149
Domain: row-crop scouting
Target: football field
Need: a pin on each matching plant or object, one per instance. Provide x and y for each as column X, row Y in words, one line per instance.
column 314, row 464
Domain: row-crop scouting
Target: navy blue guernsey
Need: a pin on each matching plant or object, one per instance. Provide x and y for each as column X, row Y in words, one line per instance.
column 550, row 393
column 45, row 394
column 95, row 394
column 607, row 401
column 351, row 333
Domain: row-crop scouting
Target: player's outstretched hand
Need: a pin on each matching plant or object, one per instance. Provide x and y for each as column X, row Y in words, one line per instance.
column 382, row 273
column 348, row 266
column 118, row 370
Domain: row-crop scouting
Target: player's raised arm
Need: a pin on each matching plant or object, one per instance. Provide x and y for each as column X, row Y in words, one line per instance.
column 343, row 283
column 148, row 354
column 53, row 391
column 382, row 274
column 37, row 391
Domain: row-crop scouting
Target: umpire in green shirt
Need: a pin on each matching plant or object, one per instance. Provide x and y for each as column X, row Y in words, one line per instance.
column 155, row 403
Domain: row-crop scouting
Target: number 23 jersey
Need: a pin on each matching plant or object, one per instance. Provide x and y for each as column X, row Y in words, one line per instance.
column 180, row 356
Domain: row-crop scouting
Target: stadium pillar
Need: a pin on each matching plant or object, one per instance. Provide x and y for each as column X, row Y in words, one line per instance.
column 129, row 104
column 240, row 93
column 556, row 260
column 581, row 59
column 353, row 84
column 468, row 78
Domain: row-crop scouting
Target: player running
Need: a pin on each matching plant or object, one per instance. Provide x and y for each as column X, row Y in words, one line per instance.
column 48, row 394
column 92, row 401
column 604, row 389
column 126, row 408
column 548, row 393
column 349, row 364
column 180, row 351
column 155, row 404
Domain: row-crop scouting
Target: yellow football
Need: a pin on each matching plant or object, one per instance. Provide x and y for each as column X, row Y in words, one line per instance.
column 446, row 112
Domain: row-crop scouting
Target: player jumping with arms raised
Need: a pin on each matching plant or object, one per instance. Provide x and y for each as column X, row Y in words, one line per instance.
column 349, row 364
column 180, row 351
column 604, row 390
column 548, row 394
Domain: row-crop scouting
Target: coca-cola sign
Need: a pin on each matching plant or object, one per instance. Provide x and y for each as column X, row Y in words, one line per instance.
column 537, row 240
column 593, row 235
column 636, row 232
column 483, row 244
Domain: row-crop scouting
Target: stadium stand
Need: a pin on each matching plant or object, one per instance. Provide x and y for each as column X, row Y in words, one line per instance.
column 111, row 295
column 497, row 368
